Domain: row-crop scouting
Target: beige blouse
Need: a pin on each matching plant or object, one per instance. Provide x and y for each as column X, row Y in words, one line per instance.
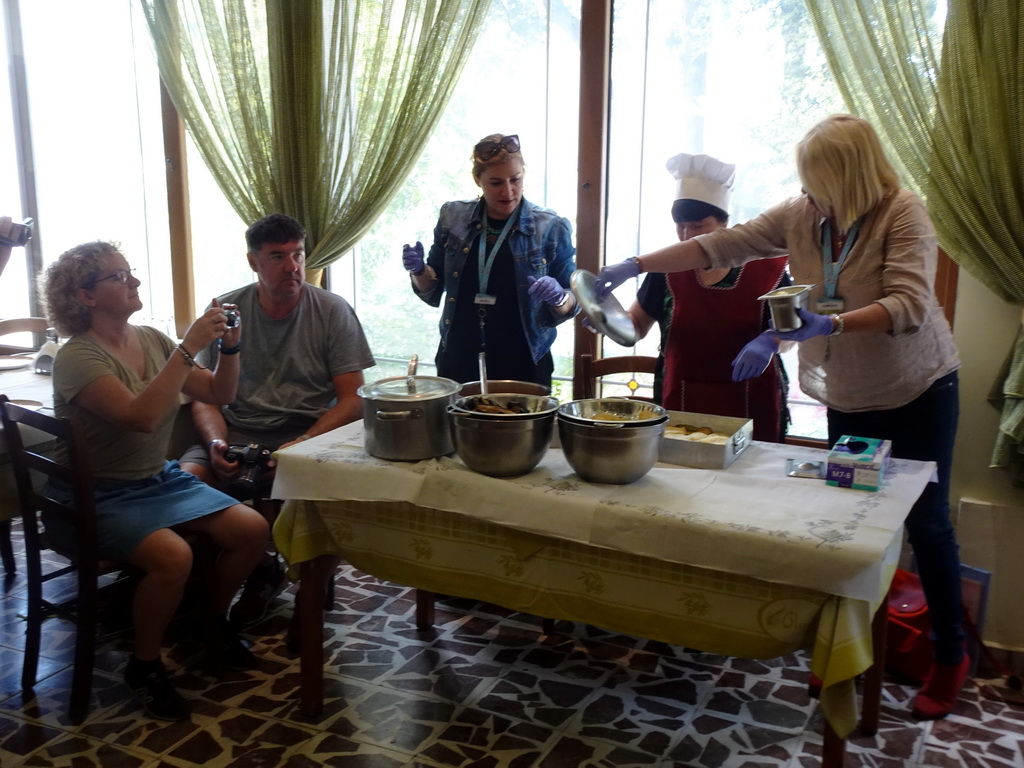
column 892, row 263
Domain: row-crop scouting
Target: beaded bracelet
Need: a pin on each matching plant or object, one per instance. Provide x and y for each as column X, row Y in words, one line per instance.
column 189, row 360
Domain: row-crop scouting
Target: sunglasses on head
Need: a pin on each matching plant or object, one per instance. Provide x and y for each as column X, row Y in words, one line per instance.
column 485, row 150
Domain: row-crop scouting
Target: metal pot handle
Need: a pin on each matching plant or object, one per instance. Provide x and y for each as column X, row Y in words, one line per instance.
column 410, row 376
column 399, row 415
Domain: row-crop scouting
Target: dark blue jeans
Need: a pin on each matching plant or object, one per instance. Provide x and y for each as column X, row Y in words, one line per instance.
column 925, row 430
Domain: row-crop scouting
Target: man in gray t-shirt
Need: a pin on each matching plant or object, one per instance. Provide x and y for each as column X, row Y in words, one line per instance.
column 302, row 364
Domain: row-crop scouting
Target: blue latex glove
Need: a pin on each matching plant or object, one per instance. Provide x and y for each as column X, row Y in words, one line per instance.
column 814, row 325
column 589, row 325
column 611, row 277
column 412, row 257
column 754, row 357
column 546, row 289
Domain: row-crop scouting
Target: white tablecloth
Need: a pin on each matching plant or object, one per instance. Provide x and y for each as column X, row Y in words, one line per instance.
column 751, row 519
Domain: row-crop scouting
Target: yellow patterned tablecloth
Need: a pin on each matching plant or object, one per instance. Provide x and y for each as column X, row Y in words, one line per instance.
column 437, row 526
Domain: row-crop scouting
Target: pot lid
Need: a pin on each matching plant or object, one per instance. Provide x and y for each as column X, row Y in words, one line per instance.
column 404, row 388
column 607, row 317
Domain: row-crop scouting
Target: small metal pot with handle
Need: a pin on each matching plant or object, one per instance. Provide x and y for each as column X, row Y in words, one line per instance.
column 406, row 417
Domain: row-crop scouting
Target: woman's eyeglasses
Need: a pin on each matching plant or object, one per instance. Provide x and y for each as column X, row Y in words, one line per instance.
column 485, row 150
column 120, row 275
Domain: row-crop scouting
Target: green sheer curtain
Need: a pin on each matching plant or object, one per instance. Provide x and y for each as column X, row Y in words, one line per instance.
column 950, row 103
column 313, row 108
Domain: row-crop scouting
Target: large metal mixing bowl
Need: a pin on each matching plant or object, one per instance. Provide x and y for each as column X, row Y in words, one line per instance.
column 612, row 410
column 505, row 385
column 530, row 406
column 608, row 453
column 500, row 447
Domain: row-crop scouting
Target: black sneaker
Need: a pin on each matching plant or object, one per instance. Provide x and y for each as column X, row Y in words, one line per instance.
column 264, row 584
column 236, row 653
column 153, row 688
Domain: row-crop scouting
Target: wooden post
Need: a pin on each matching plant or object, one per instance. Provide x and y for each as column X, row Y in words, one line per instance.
column 595, row 75
column 179, row 220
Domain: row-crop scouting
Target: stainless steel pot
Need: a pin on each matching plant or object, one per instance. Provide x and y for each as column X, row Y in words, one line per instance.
column 783, row 304
column 406, row 417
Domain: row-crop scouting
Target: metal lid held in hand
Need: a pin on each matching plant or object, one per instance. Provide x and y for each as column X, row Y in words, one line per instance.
column 607, row 317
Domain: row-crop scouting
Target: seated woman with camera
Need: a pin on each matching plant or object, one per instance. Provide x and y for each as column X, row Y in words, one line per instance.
column 121, row 384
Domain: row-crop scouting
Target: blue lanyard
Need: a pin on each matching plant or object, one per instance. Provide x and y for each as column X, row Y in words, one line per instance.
column 486, row 260
column 829, row 267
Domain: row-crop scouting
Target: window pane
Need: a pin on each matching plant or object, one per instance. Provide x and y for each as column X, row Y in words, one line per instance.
column 741, row 80
column 522, row 77
column 97, row 136
column 218, row 236
column 14, row 280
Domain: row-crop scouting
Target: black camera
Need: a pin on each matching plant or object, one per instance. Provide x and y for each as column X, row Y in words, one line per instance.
column 20, row 234
column 231, row 317
column 253, row 458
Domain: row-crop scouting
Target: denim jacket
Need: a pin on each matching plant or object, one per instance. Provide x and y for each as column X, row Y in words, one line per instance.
column 541, row 243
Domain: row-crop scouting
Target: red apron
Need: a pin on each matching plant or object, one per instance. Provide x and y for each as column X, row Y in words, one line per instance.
column 709, row 327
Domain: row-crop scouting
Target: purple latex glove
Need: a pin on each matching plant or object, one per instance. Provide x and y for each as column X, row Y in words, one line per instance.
column 754, row 357
column 412, row 257
column 611, row 277
column 546, row 289
column 814, row 325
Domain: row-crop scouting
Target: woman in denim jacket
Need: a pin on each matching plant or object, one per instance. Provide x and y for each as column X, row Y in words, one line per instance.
column 506, row 291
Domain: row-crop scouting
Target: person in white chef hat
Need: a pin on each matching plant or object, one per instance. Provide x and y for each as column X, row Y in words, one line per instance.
column 695, row 367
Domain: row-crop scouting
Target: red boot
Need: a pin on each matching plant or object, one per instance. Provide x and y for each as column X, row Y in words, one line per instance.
column 939, row 693
column 814, row 686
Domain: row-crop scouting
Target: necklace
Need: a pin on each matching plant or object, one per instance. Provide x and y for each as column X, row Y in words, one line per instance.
column 492, row 233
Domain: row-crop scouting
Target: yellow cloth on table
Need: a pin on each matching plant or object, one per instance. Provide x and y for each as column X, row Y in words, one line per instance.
column 723, row 613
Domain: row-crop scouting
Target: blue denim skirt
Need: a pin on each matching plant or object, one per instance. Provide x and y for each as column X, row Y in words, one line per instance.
column 127, row 511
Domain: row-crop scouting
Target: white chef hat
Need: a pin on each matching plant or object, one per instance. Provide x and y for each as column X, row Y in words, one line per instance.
column 703, row 178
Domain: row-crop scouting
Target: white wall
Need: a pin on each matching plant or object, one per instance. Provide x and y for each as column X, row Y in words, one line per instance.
column 990, row 522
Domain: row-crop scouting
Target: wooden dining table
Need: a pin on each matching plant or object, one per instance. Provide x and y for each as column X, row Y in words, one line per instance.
column 744, row 561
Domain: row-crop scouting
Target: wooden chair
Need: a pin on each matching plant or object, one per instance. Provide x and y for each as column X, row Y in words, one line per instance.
column 32, row 469
column 22, row 325
column 86, row 564
column 590, row 370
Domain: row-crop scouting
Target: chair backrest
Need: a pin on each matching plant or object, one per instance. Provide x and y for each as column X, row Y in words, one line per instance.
column 37, row 325
column 23, row 325
column 32, row 468
column 591, row 370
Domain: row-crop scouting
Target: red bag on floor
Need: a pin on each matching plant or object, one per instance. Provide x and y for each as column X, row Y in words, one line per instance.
column 908, row 645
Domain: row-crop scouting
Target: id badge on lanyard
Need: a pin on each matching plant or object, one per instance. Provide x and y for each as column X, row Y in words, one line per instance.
column 485, row 260
column 830, row 304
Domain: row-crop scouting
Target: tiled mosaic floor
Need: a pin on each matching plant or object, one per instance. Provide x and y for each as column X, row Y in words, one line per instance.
column 483, row 689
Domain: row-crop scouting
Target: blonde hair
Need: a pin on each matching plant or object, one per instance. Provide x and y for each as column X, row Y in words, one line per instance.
column 503, row 156
column 844, row 169
column 76, row 268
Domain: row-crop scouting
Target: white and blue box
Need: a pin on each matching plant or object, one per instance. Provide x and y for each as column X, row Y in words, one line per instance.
column 858, row 462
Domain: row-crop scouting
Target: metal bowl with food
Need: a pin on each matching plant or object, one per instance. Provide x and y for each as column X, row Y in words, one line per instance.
column 500, row 446
column 505, row 385
column 603, row 454
column 613, row 411
column 509, row 406
column 607, row 316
